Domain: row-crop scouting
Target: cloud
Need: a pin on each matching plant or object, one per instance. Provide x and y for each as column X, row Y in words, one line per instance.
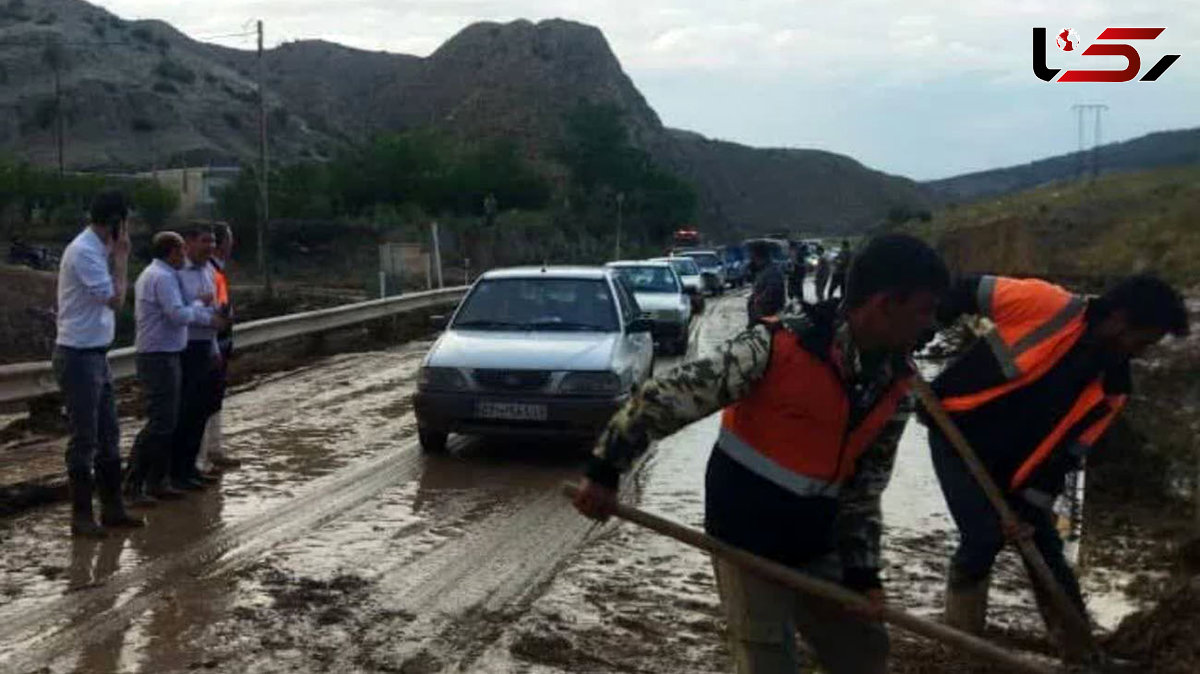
column 920, row 87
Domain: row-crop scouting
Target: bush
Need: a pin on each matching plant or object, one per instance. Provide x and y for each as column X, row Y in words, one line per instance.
column 45, row 112
column 141, row 124
column 153, row 202
column 48, row 19
column 165, row 88
column 173, row 70
column 232, row 120
column 142, row 34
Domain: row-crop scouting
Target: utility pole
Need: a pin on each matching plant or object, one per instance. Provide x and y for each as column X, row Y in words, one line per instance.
column 620, row 204
column 264, row 203
column 1080, row 109
column 55, row 56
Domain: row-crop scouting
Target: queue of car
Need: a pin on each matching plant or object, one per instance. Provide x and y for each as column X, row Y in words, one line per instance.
column 555, row 351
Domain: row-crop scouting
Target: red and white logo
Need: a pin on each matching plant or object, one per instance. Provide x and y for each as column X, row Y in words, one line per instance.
column 1068, row 40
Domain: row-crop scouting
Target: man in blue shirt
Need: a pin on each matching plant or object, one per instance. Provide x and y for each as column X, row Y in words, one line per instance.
column 199, row 362
column 89, row 291
column 162, row 334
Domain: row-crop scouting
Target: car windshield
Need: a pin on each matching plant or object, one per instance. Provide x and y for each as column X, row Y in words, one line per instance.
column 649, row 279
column 561, row 304
column 705, row 260
column 685, row 266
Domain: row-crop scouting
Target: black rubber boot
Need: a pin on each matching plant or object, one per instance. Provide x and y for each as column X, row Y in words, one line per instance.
column 83, row 521
column 112, row 514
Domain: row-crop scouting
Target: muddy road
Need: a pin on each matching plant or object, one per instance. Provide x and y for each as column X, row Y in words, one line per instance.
column 339, row 547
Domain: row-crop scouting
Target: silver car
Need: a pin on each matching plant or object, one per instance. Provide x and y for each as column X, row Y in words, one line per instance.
column 712, row 268
column 659, row 293
column 689, row 274
column 541, row 351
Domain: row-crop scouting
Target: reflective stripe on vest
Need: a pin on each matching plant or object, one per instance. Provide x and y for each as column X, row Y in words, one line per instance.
column 1092, row 396
column 757, row 463
column 792, row 427
column 1036, row 324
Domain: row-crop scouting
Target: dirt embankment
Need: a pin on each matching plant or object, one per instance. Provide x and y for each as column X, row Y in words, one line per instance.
column 26, row 314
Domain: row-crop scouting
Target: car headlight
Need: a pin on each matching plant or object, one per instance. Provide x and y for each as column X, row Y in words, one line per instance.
column 593, row 383
column 441, row 379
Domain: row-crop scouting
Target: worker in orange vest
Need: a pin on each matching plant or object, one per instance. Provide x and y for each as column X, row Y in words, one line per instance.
column 814, row 405
column 1032, row 397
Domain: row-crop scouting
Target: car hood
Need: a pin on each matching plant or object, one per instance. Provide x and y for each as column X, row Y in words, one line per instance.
column 524, row 350
column 658, row 301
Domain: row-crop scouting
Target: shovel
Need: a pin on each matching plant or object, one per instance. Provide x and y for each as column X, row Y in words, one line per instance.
column 825, row 589
column 1075, row 625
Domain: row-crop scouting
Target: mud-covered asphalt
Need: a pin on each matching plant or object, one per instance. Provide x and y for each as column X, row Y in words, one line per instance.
column 339, row 547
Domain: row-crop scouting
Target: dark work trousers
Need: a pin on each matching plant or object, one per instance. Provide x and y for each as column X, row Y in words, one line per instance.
column 980, row 535
column 161, row 377
column 198, row 400
column 86, row 383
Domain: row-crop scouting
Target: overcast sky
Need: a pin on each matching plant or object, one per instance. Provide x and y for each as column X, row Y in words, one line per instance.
column 922, row 88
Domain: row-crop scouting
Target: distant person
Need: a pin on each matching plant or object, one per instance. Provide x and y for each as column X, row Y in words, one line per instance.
column 841, row 267
column 90, row 291
column 767, row 294
column 213, row 455
column 200, row 366
column 797, row 271
column 822, row 275
column 162, row 335
column 1033, row 398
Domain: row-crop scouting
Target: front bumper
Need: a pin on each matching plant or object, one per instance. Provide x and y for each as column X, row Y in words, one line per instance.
column 566, row 416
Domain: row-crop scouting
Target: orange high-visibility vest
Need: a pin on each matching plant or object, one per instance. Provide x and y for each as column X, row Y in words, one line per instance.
column 222, row 286
column 1035, row 324
column 793, row 428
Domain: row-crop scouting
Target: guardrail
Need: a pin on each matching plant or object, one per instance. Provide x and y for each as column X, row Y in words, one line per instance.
column 22, row 381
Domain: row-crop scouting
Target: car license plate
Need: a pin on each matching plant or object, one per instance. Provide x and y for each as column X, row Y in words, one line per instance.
column 510, row 411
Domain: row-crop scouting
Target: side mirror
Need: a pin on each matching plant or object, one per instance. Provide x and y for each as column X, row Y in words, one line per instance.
column 439, row 321
column 639, row 325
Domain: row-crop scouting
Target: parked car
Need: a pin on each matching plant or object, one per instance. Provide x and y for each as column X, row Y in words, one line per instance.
column 659, row 293
column 542, row 351
column 712, row 269
column 736, row 265
column 689, row 274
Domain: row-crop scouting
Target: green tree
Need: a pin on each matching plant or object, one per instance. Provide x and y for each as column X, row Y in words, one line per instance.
column 154, row 202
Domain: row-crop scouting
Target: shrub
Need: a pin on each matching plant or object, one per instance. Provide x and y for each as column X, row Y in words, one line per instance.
column 232, row 120
column 173, row 70
column 165, row 88
column 141, row 124
column 143, row 34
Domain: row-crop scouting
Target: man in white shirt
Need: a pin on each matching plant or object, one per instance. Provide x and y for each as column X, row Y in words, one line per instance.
column 89, row 292
column 200, row 363
column 162, row 334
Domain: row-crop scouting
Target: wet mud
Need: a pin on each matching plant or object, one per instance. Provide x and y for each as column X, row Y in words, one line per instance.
column 339, row 547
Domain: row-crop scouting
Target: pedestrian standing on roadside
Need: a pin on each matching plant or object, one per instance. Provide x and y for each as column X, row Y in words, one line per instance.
column 841, row 267
column 90, row 291
column 213, row 455
column 767, row 296
column 162, row 335
column 797, row 270
column 822, row 276
column 813, row 409
column 199, row 363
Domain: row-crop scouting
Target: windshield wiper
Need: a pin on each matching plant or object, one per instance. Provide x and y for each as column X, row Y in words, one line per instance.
column 566, row 325
column 499, row 325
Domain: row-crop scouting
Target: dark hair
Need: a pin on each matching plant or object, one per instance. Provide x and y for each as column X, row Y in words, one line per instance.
column 222, row 232
column 109, row 208
column 163, row 243
column 1148, row 302
column 197, row 229
column 895, row 263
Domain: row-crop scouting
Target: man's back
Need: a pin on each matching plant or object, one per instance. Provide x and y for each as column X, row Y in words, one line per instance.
column 84, row 284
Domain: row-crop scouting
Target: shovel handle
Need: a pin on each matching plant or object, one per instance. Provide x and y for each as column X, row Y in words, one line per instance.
column 1075, row 623
column 822, row 588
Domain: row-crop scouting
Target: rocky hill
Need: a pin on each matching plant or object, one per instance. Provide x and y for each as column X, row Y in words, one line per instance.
column 1155, row 150
column 138, row 94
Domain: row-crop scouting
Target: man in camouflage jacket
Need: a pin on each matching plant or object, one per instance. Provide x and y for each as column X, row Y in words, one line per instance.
column 833, row 530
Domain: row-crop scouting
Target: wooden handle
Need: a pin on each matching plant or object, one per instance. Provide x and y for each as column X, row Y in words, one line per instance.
column 823, row 588
column 1075, row 624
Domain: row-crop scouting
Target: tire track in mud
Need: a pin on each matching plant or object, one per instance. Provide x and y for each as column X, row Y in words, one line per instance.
column 89, row 619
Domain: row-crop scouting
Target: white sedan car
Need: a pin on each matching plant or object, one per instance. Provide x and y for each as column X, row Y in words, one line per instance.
column 660, row 294
column 538, row 351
